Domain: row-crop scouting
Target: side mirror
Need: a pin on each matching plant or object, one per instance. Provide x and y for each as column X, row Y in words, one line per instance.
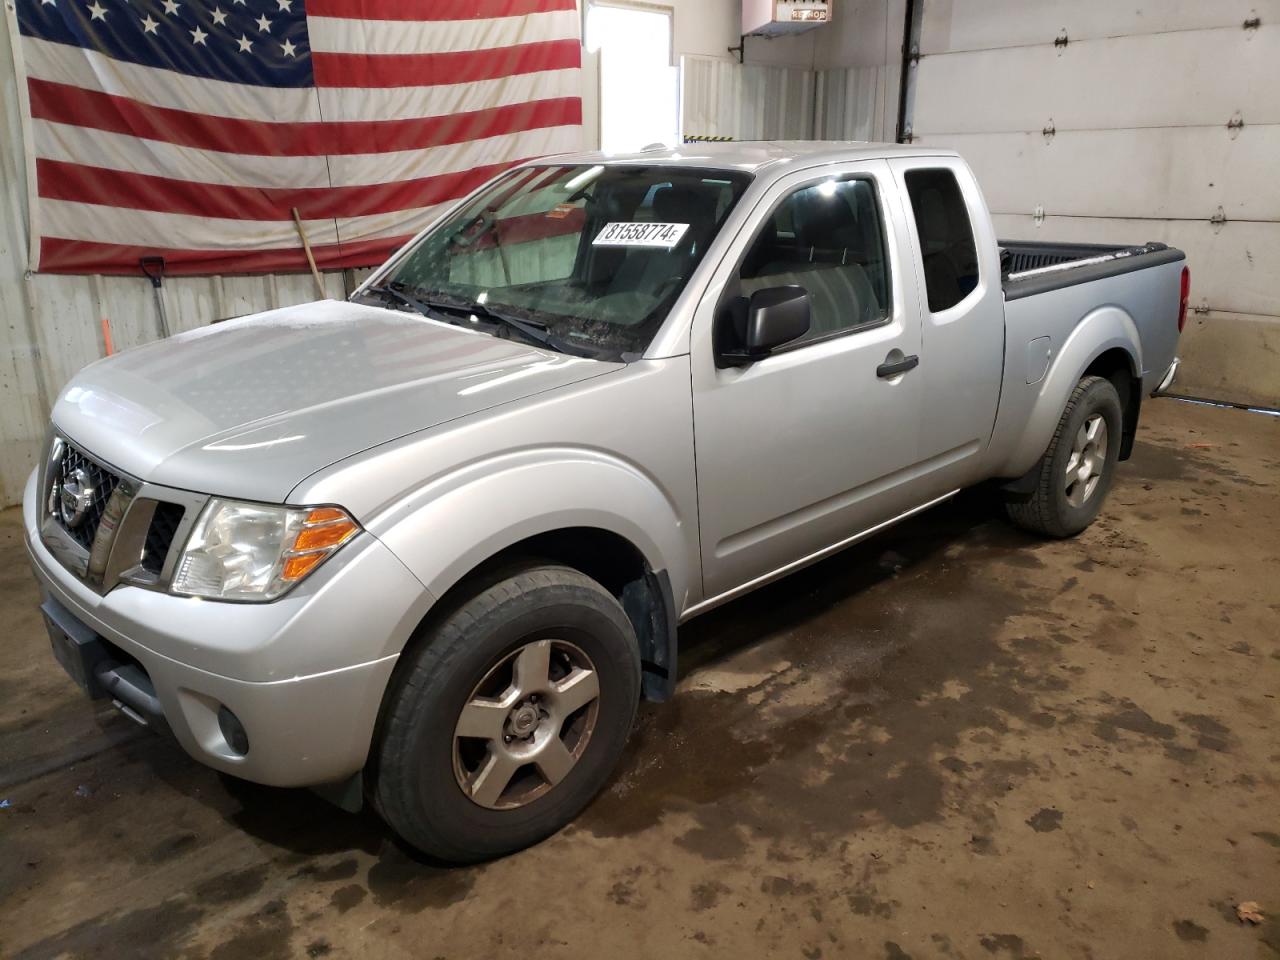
column 774, row 316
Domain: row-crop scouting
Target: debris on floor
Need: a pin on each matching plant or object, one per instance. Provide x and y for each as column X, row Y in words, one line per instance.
column 1249, row 912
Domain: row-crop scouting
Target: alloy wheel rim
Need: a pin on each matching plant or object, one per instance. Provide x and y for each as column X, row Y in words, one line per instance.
column 1087, row 460
column 526, row 724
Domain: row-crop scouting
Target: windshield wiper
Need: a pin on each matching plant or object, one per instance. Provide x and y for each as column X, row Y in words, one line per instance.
column 529, row 329
column 392, row 293
column 439, row 309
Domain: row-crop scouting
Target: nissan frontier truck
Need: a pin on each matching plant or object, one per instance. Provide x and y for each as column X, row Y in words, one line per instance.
column 429, row 546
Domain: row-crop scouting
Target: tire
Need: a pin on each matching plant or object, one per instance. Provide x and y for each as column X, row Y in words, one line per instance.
column 519, row 655
column 1062, row 506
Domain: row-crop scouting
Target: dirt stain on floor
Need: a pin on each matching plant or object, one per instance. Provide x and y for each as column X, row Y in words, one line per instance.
column 1045, row 820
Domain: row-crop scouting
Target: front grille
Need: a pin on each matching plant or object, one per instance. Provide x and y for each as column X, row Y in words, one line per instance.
column 75, row 472
column 164, row 526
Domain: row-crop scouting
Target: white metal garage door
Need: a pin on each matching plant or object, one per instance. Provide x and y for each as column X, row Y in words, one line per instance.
column 1126, row 122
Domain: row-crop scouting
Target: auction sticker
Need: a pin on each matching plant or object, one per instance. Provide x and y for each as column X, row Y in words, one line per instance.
column 659, row 235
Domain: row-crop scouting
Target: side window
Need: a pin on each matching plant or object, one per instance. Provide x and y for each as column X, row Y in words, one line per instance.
column 828, row 239
column 946, row 237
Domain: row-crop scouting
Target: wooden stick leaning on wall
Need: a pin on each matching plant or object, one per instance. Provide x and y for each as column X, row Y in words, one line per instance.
column 306, row 247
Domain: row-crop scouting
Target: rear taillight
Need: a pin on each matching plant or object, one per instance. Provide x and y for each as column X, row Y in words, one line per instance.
column 1185, row 298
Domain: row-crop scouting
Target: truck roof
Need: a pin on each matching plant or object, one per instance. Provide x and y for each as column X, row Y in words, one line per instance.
column 755, row 156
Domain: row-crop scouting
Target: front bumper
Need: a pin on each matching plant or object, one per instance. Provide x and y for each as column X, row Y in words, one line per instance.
column 304, row 675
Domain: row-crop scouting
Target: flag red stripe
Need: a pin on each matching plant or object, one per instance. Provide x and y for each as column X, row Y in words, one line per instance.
column 58, row 255
column 435, row 69
column 433, row 9
column 62, row 103
column 80, row 183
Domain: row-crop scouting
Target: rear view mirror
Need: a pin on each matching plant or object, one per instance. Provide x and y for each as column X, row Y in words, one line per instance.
column 775, row 316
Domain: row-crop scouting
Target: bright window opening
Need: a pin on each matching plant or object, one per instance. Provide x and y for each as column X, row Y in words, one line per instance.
column 639, row 88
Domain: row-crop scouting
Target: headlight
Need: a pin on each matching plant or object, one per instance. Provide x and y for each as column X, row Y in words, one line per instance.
column 251, row 551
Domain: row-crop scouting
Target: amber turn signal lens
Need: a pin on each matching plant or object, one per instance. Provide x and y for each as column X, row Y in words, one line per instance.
column 295, row 568
column 323, row 531
column 326, row 515
column 326, row 535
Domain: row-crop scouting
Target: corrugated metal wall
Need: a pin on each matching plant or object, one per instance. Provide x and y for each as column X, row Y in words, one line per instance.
column 1126, row 123
column 721, row 98
column 50, row 326
column 851, row 104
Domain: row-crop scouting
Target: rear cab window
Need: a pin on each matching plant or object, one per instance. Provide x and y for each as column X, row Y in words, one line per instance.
column 946, row 236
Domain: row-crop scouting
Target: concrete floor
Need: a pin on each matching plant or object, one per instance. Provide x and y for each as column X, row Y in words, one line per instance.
column 952, row 741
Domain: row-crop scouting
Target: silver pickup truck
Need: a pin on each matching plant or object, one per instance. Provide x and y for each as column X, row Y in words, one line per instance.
column 430, row 546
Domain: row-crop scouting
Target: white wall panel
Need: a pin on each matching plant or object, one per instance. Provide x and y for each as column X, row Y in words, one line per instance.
column 957, row 25
column 721, row 98
column 1186, row 78
column 777, row 103
column 1233, row 268
column 1178, row 172
column 851, row 104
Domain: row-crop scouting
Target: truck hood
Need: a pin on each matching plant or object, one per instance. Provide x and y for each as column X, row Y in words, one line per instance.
column 251, row 407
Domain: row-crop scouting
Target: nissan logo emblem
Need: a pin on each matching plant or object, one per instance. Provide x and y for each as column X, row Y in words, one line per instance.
column 75, row 497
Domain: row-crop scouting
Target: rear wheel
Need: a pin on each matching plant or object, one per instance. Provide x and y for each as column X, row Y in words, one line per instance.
column 1075, row 473
column 509, row 716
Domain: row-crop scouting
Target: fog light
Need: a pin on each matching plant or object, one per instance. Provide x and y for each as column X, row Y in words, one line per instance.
column 233, row 731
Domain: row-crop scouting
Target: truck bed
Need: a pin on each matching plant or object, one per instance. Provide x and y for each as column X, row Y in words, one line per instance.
column 1064, row 303
column 1029, row 267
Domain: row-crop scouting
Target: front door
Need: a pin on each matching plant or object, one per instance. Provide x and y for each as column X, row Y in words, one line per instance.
column 816, row 443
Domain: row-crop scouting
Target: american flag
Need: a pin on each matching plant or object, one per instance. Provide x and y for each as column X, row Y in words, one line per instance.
column 190, row 129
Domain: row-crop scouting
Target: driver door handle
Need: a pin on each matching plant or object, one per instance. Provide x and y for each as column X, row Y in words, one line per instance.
column 887, row 369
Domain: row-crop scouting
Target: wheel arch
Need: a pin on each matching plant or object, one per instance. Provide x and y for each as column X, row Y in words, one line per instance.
column 611, row 560
column 1105, row 343
column 584, row 508
column 1118, row 365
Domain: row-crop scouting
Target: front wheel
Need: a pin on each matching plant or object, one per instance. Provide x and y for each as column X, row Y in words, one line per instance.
column 1075, row 473
column 509, row 716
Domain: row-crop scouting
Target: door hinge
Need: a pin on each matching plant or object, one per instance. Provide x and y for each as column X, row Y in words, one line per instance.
column 1048, row 131
column 1235, row 124
column 1218, row 220
column 1253, row 23
column 1061, row 40
column 1038, row 217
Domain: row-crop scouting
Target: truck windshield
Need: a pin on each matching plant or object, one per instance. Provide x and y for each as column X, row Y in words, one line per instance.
column 590, row 257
